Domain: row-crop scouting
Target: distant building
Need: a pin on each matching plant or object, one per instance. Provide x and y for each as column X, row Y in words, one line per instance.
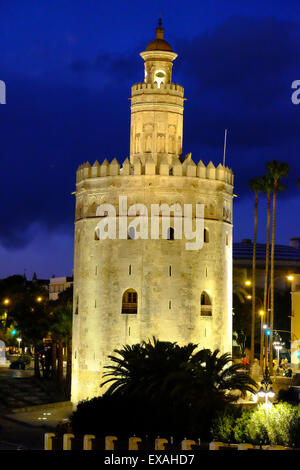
column 287, row 262
column 295, row 321
column 58, row 285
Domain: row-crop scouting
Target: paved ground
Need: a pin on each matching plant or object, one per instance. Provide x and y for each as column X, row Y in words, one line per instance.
column 28, row 409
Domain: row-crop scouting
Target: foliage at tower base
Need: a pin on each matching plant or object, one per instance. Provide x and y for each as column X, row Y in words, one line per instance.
column 61, row 335
column 161, row 388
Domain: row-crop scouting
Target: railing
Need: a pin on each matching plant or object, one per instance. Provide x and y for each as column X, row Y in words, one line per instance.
column 129, row 308
column 206, row 311
column 109, row 443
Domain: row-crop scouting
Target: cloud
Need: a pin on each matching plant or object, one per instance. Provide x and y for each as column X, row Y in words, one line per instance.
column 236, row 76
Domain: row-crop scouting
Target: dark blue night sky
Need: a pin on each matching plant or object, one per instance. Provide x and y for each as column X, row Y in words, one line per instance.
column 68, row 66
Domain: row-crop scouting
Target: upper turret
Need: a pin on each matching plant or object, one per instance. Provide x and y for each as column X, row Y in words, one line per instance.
column 158, row 58
column 157, row 106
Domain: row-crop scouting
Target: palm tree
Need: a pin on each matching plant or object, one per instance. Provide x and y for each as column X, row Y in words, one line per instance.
column 256, row 185
column 276, row 170
column 162, row 371
column 267, row 189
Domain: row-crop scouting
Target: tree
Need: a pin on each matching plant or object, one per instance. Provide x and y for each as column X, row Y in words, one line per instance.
column 256, row 185
column 160, row 370
column 276, row 170
column 267, row 189
column 61, row 332
column 183, row 388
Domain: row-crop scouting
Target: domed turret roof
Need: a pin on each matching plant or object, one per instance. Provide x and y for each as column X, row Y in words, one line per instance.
column 159, row 43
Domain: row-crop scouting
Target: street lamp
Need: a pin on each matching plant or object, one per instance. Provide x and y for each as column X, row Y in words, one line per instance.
column 266, row 390
column 278, row 346
column 290, row 278
column 19, row 341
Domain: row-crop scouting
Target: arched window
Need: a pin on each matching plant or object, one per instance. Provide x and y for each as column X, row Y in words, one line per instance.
column 205, row 305
column 129, row 301
column 170, row 233
column 206, row 236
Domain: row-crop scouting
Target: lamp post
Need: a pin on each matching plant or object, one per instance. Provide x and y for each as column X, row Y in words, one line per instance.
column 19, row 341
column 278, row 346
column 266, row 390
column 289, row 278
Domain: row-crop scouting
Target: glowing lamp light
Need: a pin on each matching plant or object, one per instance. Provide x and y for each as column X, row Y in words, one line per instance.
column 6, row 301
column 249, row 297
column 290, row 277
column 261, row 392
column 39, row 299
column 268, row 332
column 14, row 332
column 261, row 312
column 266, row 393
column 247, row 283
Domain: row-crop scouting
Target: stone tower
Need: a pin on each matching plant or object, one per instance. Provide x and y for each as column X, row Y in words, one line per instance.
column 133, row 287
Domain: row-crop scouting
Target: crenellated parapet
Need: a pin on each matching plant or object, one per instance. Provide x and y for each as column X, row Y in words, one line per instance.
column 168, row 88
column 186, row 168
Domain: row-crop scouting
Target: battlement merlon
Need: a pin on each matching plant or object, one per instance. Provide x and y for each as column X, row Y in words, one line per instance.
column 187, row 168
column 148, row 88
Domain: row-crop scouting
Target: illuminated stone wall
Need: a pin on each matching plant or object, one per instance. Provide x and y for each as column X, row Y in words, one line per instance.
column 168, row 305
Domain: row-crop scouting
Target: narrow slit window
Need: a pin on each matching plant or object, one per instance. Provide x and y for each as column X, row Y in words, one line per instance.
column 131, row 233
column 206, row 236
column 170, row 233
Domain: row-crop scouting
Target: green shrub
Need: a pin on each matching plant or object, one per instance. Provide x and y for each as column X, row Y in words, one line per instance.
column 223, row 425
column 256, row 431
column 280, row 427
column 240, row 428
column 283, row 424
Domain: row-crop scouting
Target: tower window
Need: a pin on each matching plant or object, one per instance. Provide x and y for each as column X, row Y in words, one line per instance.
column 129, row 270
column 226, row 239
column 76, row 307
column 206, row 236
column 131, row 233
column 129, row 301
column 170, row 233
column 171, row 171
column 205, row 305
column 159, row 77
column 170, row 270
